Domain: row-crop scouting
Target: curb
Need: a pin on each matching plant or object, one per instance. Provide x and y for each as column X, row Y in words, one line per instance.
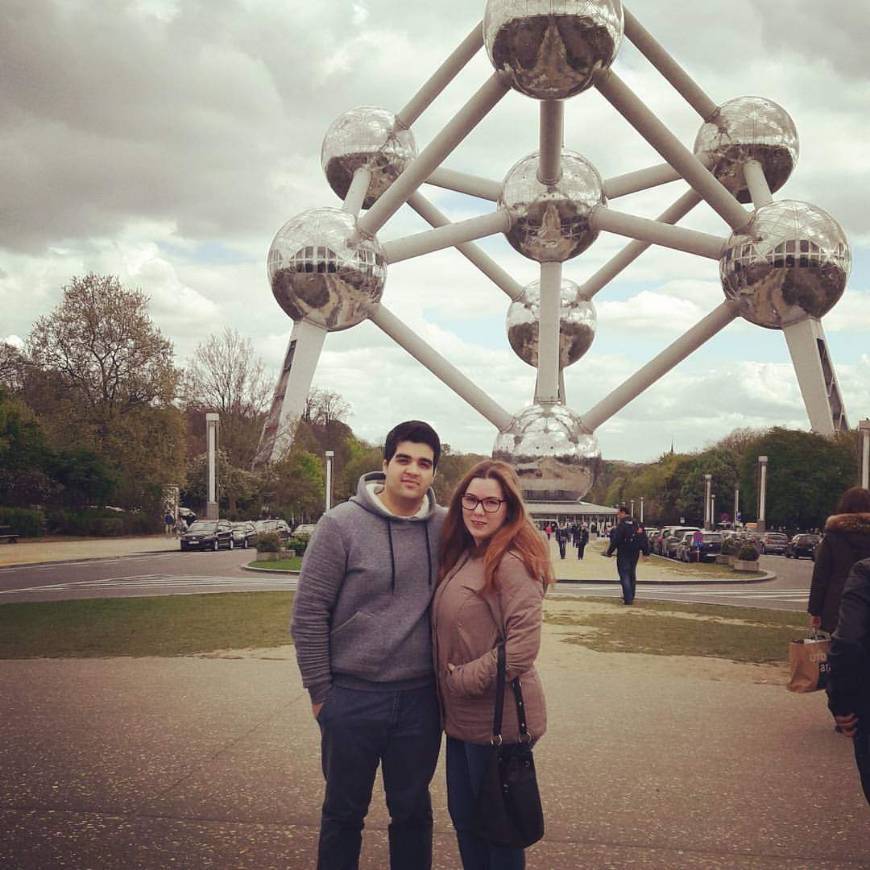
column 86, row 559
column 269, row 570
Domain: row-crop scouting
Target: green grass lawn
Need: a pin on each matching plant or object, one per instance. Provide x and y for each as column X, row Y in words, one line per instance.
column 293, row 564
column 175, row 625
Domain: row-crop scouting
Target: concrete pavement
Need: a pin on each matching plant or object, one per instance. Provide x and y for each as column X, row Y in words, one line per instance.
column 31, row 551
column 212, row 762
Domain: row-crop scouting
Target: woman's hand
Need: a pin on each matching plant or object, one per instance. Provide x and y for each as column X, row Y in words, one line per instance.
column 450, row 668
column 847, row 725
column 815, row 621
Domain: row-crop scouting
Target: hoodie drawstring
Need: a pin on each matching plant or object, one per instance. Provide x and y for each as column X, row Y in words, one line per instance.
column 428, row 551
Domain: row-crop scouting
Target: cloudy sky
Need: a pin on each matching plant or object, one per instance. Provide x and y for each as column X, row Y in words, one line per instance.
column 166, row 141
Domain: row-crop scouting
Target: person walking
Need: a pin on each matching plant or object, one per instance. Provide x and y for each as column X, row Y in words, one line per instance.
column 549, row 530
column 849, row 661
column 364, row 647
column 495, row 568
column 623, row 544
column 168, row 523
column 846, row 541
column 582, row 540
column 562, row 539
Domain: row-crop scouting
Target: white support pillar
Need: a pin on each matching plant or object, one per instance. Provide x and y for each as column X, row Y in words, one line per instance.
column 713, row 522
column 463, row 182
column 469, row 250
column 756, row 181
column 708, row 484
column 645, row 230
column 330, row 455
column 761, row 524
column 447, row 236
column 687, row 344
column 864, row 429
column 631, row 252
column 442, row 76
column 212, row 424
column 632, row 108
column 816, row 377
column 551, row 137
column 659, row 57
column 547, row 385
column 441, row 368
column 468, row 117
column 641, row 510
column 736, row 518
column 356, row 194
column 288, row 401
column 640, row 179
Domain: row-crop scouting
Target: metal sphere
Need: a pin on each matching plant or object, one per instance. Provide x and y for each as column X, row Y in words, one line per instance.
column 749, row 128
column 553, row 49
column 550, row 222
column 556, row 458
column 790, row 262
column 370, row 137
column 322, row 271
column 577, row 321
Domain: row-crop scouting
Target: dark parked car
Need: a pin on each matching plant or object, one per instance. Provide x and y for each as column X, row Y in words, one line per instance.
column 208, row 535
column 277, row 527
column 709, row 549
column 773, row 542
column 802, row 545
column 244, row 535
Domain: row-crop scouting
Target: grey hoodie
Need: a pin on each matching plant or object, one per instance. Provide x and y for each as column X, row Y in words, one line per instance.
column 361, row 613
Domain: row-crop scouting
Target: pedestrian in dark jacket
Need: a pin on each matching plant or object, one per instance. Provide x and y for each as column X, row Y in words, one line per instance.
column 622, row 542
column 846, row 541
column 582, row 541
column 849, row 678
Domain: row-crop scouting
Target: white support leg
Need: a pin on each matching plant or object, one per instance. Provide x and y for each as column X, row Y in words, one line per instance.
column 645, row 377
column 631, row 252
column 288, row 401
column 644, row 230
column 441, row 368
column 462, row 182
column 468, row 117
column 447, row 236
column 357, row 191
column 659, row 57
column 640, row 179
column 442, row 76
column 632, row 108
column 469, row 250
column 547, row 386
column 756, row 181
column 816, row 377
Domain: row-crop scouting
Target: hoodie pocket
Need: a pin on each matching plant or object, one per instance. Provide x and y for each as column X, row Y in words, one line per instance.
column 357, row 646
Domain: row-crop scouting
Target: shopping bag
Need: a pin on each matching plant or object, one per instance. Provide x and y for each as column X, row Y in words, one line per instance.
column 808, row 663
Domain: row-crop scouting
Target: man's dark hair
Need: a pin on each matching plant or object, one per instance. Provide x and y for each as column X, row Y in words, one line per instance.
column 416, row 431
column 622, row 508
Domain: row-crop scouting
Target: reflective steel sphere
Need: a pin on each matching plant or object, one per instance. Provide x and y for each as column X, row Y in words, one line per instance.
column 749, row 128
column 370, row 137
column 791, row 261
column 320, row 271
column 577, row 323
column 555, row 457
column 553, row 49
column 550, row 223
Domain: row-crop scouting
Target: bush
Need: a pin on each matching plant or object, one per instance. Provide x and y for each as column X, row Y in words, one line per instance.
column 748, row 553
column 25, row 522
column 298, row 544
column 730, row 546
column 100, row 523
column 269, row 542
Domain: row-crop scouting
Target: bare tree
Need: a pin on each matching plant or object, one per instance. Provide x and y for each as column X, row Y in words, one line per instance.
column 323, row 407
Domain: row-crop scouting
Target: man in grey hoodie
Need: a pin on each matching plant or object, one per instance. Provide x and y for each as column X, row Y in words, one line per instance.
column 363, row 644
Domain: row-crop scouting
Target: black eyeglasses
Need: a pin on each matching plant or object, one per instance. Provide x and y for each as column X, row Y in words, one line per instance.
column 490, row 505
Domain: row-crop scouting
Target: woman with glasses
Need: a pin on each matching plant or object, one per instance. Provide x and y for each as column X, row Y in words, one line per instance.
column 494, row 570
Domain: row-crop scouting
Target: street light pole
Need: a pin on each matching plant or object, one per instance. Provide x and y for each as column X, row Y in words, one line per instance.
column 211, row 429
column 864, row 429
column 762, row 494
column 713, row 511
column 708, row 485
column 329, row 456
column 632, row 507
column 736, row 505
column 641, row 510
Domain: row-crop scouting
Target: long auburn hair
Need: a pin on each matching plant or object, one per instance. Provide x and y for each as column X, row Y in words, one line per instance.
column 517, row 534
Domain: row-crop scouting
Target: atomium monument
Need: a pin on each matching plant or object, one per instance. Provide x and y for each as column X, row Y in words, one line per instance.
column 782, row 264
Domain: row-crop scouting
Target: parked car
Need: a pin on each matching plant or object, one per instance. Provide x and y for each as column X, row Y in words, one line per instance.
column 802, row 545
column 277, row 527
column 304, row 530
column 672, row 543
column 772, row 542
column 658, row 542
column 711, row 546
column 208, row 535
column 244, row 535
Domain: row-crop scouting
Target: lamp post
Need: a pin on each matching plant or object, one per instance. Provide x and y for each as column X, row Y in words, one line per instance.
column 713, row 510
column 329, row 457
column 211, row 431
column 864, row 429
column 632, row 507
column 736, row 505
column 762, row 493
column 641, row 510
column 708, row 485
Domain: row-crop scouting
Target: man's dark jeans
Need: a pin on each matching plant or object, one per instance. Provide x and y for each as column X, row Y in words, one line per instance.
column 359, row 730
column 627, row 568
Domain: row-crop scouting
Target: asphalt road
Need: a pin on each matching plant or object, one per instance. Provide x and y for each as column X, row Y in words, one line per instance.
column 194, row 573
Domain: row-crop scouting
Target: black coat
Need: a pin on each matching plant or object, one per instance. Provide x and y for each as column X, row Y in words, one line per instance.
column 849, row 680
column 622, row 539
column 846, row 541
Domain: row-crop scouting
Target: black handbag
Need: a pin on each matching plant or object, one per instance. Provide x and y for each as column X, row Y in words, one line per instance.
column 508, row 810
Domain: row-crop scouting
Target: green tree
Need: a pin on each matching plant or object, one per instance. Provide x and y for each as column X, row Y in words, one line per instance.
column 297, row 486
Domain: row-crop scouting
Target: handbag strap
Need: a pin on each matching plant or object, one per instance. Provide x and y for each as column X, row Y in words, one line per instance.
column 500, row 680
